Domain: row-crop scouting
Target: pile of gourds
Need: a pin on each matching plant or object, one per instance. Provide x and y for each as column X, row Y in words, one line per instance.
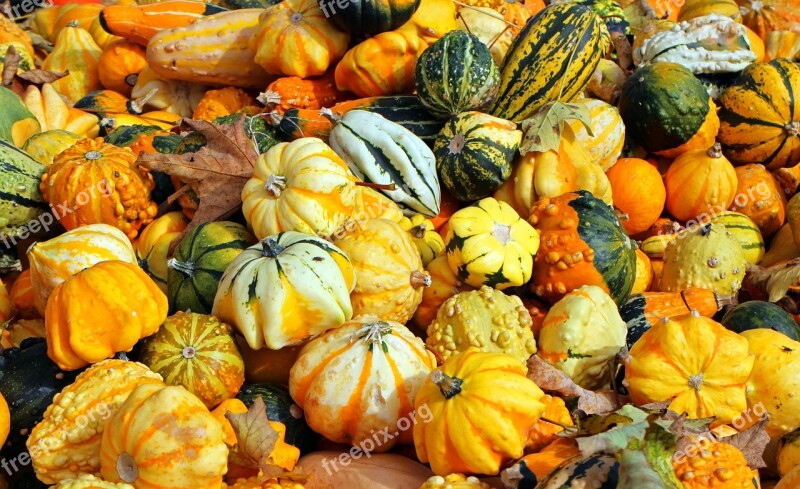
column 459, row 244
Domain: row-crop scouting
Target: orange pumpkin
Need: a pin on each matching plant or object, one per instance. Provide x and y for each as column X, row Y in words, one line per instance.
column 75, row 51
column 444, row 285
column 638, row 191
column 759, row 197
column 546, row 431
column 766, row 16
column 293, row 92
column 220, row 102
column 120, row 65
column 23, row 297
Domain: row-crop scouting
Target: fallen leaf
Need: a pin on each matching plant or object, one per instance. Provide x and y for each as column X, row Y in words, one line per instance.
column 217, row 172
column 752, row 442
column 551, row 379
column 542, row 131
column 10, row 65
column 773, row 282
column 40, row 77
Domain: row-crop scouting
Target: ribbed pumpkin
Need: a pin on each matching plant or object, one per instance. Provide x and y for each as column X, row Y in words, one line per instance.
column 221, row 102
column 296, row 38
column 770, row 15
column 88, row 481
column 489, row 244
column 582, row 243
column 474, row 152
column 360, row 378
column 745, row 231
column 759, row 197
column 157, row 424
column 99, row 311
column 120, row 64
column 57, row 259
column 81, row 409
column 552, row 58
column 290, row 287
column 471, row 386
column 75, row 51
column 444, row 284
column 693, row 362
column 304, row 174
column 199, row 261
column 293, row 92
column 607, row 132
column 699, row 183
column 100, row 183
column 667, row 110
column 388, row 269
column 759, row 115
column 197, row 352
column 152, row 245
column 429, row 243
column 456, row 74
column 368, row 17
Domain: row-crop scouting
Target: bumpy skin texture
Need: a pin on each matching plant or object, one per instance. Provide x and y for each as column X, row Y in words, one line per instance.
column 88, row 481
column 716, row 465
column 487, row 319
column 454, row 481
column 253, row 483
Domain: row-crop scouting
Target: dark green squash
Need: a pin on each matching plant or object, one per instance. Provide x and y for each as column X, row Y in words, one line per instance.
column 632, row 312
column 281, row 408
column 369, row 16
column 759, row 314
column 125, row 136
column 199, row 260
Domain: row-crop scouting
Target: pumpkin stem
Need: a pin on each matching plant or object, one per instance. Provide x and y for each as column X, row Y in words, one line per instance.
column 270, row 97
column 185, row 267
column 419, row 231
column 449, row 386
column 126, row 468
column 715, row 151
column 189, row 352
column 137, row 106
column 457, row 144
column 420, row 279
column 696, row 381
column 328, row 114
column 131, row 79
column 93, row 155
column 271, row 248
column 275, row 185
column 373, row 332
column 502, row 233
column 377, row 186
column 793, row 128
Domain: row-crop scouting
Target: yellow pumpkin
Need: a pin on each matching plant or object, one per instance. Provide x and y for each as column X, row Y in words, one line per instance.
column 52, row 112
column 299, row 186
column 444, row 285
column 461, row 396
column 388, row 268
column 152, row 245
column 173, row 96
column 45, row 146
column 75, row 51
column 428, row 241
column 432, row 20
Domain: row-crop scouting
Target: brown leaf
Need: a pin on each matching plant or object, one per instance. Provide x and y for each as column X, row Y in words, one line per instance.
column 772, row 283
column 40, row 77
column 752, row 442
column 551, row 379
column 217, row 173
column 10, row 65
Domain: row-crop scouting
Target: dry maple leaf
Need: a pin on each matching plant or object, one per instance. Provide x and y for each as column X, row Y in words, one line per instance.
column 549, row 378
column 217, row 172
column 19, row 82
column 772, row 283
column 752, row 442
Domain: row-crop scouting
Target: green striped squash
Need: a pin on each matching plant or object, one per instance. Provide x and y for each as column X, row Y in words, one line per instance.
column 21, row 200
column 370, row 16
column 552, row 58
column 199, row 260
column 124, row 136
column 456, row 74
column 663, row 106
column 598, row 471
column 745, row 231
column 759, row 314
column 197, row 352
column 474, row 153
column 380, row 151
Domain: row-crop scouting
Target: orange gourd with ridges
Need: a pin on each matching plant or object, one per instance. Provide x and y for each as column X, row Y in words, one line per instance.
column 75, row 51
column 120, row 65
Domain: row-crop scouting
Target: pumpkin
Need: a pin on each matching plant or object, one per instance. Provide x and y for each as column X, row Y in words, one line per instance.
column 101, row 310
column 582, row 243
column 546, row 431
column 52, row 112
column 700, row 182
column 364, row 17
column 296, row 38
column 380, row 151
column 369, row 358
column 468, row 386
column 779, row 44
column 55, row 260
column 81, row 409
column 745, row 231
column 221, row 102
column 429, row 243
column 45, row 146
column 607, row 137
column 199, row 353
column 708, row 256
column 306, row 286
column 75, row 51
column 293, row 92
column 88, row 481
column 152, row 246
column 388, row 269
column 456, row 74
column 11, row 31
column 454, row 481
column 759, row 197
column 788, row 455
column 474, row 153
column 444, row 285
column 22, row 329
column 174, row 96
column 760, row 314
column 489, row 244
column 157, row 423
column 120, row 64
column 628, row 177
column 432, row 20
column 758, row 126
column 197, row 265
column 19, row 122
column 718, row 464
column 667, row 110
column 80, row 13
column 486, row 319
column 23, row 296
column 381, row 65
column 304, row 174
column 693, row 362
column 698, row 8
column 769, row 15
column 101, row 184
column 581, row 335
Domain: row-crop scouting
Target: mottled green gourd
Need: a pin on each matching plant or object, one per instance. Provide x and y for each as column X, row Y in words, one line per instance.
column 455, row 74
column 708, row 257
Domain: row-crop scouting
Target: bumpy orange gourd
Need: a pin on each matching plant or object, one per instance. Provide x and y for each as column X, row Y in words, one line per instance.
column 714, row 465
column 766, row 16
column 100, row 183
column 75, row 51
column 100, row 311
column 543, row 433
column 293, row 92
column 759, row 197
column 223, row 101
column 120, row 65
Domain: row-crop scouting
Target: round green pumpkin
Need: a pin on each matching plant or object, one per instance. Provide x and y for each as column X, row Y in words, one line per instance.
column 474, row 152
column 199, row 260
column 663, row 105
column 455, row 74
column 198, row 352
column 759, row 314
column 369, row 16
column 281, row 408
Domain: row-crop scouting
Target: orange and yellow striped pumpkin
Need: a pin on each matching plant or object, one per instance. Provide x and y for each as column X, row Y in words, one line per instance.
column 23, row 296
column 608, row 132
column 75, row 51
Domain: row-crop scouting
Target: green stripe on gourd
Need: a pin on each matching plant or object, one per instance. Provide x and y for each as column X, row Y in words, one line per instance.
column 474, row 153
column 759, row 314
column 552, row 58
column 125, row 136
column 21, row 200
column 745, row 231
column 372, row 16
column 456, row 74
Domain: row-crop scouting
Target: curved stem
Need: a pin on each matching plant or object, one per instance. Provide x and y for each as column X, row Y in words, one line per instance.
column 715, row 151
column 271, row 248
column 420, row 279
column 185, row 267
column 137, row 106
column 449, row 386
column 377, row 186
